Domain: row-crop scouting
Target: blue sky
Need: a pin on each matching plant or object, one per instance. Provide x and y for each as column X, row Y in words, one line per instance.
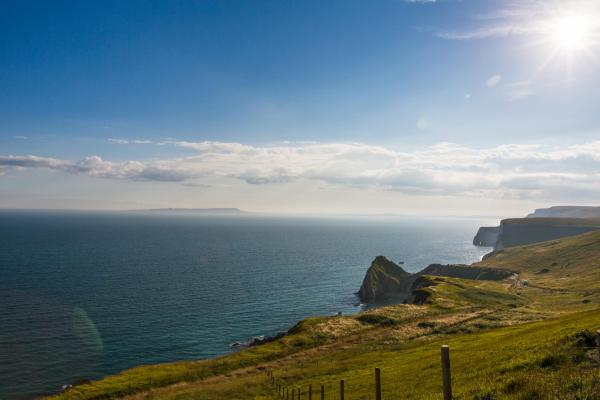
column 105, row 104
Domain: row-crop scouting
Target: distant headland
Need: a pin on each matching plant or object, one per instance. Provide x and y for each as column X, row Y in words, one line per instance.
column 541, row 225
column 212, row 211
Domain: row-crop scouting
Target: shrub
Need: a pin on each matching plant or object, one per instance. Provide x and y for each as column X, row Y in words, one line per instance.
column 585, row 338
column 552, row 360
column 485, row 396
column 376, row 319
column 426, row 324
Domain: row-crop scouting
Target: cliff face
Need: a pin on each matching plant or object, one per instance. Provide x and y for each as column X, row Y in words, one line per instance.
column 522, row 231
column 466, row 272
column 486, row 236
column 384, row 279
column 566, row 212
column 387, row 280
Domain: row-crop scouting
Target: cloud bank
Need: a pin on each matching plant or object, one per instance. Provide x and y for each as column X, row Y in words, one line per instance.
column 507, row 171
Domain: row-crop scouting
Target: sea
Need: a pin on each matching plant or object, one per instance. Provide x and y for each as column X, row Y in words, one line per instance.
column 85, row 295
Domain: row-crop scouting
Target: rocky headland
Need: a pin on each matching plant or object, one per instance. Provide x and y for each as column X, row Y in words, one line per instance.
column 386, row 280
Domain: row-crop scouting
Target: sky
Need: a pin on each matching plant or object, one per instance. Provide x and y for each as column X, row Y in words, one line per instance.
column 412, row 107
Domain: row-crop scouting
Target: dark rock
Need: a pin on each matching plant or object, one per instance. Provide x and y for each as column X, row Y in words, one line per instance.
column 258, row 340
column 384, row 279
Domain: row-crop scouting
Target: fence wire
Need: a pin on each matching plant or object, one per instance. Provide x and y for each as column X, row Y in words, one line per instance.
column 361, row 384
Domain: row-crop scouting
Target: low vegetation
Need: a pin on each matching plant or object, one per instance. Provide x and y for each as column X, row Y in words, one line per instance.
column 528, row 337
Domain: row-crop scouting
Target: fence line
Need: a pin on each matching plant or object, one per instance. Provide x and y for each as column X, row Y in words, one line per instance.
column 322, row 391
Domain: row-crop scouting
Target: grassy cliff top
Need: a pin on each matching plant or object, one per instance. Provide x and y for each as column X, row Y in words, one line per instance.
column 552, row 221
column 568, row 263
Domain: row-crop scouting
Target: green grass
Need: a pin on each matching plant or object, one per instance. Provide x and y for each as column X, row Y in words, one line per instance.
column 536, row 360
column 507, row 341
column 571, row 263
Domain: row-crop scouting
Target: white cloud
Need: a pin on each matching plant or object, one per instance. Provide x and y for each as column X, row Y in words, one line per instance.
column 519, row 90
column 487, row 32
column 523, row 17
column 493, row 81
column 507, row 171
column 20, row 137
column 124, row 141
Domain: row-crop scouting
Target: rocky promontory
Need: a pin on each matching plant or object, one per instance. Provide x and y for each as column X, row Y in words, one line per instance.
column 386, row 280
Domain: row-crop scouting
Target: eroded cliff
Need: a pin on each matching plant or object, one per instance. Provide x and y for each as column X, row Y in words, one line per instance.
column 386, row 280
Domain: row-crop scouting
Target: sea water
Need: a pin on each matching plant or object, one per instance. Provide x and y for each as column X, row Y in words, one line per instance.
column 83, row 295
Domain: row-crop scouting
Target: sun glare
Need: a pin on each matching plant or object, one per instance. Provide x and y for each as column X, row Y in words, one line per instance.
column 571, row 32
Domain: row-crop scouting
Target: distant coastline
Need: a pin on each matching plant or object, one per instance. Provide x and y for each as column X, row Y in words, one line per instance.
column 211, row 211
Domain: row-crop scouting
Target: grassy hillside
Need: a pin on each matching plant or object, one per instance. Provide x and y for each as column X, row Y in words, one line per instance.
column 508, row 340
column 571, row 263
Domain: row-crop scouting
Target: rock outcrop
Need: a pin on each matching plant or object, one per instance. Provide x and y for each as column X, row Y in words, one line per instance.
column 385, row 280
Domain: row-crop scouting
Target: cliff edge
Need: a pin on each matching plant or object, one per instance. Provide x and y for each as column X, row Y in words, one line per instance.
column 567, row 212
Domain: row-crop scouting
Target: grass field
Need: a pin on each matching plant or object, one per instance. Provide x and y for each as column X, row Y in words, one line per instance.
column 525, row 338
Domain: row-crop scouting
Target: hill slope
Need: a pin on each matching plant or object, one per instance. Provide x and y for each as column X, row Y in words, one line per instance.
column 509, row 340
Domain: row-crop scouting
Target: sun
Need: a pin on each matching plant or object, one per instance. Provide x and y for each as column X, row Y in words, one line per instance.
column 571, row 32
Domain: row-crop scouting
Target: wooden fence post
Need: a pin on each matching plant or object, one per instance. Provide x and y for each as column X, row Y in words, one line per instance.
column 309, row 392
column 342, row 389
column 287, row 394
column 598, row 343
column 322, row 392
column 446, row 376
column 293, row 393
column 377, row 384
column 299, row 393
